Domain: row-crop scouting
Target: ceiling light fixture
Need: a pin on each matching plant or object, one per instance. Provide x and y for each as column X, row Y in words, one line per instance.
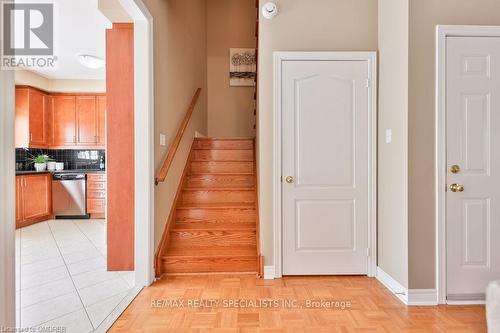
column 91, row 61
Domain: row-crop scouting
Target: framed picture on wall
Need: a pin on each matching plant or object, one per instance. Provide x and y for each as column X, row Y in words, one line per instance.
column 242, row 67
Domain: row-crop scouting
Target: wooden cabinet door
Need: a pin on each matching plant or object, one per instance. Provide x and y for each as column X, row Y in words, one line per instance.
column 19, row 200
column 101, row 120
column 37, row 196
column 64, row 121
column 21, row 129
column 86, row 112
column 48, row 105
column 37, row 119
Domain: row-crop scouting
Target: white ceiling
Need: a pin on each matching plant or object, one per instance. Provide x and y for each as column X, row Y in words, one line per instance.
column 79, row 28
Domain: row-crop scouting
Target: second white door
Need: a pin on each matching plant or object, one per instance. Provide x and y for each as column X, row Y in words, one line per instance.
column 325, row 159
column 473, row 157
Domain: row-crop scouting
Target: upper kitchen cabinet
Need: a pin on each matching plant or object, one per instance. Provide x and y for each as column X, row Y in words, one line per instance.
column 59, row 120
column 101, row 120
column 64, row 121
column 32, row 118
column 87, row 119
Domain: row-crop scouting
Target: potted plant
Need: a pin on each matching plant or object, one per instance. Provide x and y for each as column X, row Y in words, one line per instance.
column 40, row 162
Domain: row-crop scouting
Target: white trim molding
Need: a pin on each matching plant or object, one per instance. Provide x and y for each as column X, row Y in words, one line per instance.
column 393, row 285
column 443, row 32
column 269, row 272
column 144, row 139
column 371, row 58
column 7, row 204
column 410, row 297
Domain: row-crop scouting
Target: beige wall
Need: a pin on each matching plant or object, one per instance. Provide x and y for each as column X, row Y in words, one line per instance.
column 23, row 77
column 179, row 69
column 392, row 157
column 424, row 16
column 230, row 24
column 313, row 25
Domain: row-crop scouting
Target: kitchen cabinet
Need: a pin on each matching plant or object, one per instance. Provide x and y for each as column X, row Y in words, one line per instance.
column 59, row 120
column 64, row 121
column 33, row 108
column 19, row 201
column 33, row 199
column 101, row 120
column 96, row 195
column 86, row 113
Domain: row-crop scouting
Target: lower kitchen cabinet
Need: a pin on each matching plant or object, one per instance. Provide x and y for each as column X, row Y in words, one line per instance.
column 96, row 195
column 33, row 199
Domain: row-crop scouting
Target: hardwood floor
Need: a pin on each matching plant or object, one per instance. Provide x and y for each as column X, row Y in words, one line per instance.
column 372, row 307
column 214, row 223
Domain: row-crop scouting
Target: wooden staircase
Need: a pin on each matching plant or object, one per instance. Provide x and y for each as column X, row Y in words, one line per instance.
column 213, row 225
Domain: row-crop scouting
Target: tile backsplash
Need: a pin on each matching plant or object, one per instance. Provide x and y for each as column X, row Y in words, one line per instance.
column 73, row 159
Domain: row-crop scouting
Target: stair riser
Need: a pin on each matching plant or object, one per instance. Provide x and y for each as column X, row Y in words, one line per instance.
column 221, row 181
column 216, row 216
column 223, row 155
column 197, row 238
column 209, row 265
column 223, row 144
column 222, row 167
column 205, row 197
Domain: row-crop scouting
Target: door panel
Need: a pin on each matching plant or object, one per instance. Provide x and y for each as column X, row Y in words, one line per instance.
column 325, row 149
column 37, row 119
column 86, row 112
column 101, row 120
column 64, row 121
column 19, row 201
column 473, row 143
column 36, row 196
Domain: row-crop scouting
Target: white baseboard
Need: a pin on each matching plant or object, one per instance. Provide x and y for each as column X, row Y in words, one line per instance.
column 411, row 297
column 394, row 286
column 422, row 297
column 269, row 273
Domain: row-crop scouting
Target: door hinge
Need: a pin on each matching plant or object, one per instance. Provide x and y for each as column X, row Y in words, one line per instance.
column 368, row 83
column 368, row 252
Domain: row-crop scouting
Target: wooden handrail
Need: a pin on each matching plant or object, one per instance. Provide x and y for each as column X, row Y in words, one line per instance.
column 162, row 174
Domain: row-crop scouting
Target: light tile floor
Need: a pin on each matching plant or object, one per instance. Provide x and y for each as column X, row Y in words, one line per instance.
column 61, row 276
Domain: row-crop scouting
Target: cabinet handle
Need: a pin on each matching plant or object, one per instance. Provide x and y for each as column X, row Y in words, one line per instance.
column 31, row 136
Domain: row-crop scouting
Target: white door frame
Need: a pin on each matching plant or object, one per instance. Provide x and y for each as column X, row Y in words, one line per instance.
column 144, row 165
column 371, row 58
column 442, row 32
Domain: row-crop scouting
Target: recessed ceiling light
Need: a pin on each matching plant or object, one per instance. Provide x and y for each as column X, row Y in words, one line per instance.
column 91, row 61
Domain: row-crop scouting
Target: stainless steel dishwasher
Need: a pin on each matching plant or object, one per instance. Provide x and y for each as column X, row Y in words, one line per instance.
column 69, row 196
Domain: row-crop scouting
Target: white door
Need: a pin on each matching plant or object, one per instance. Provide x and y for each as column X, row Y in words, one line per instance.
column 325, row 149
column 473, row 160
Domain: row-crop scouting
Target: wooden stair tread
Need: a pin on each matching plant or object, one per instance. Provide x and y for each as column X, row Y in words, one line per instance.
column 225, row 139
column 200, row 174
column 229, row 205
column 221, row 188
column 214, row 226
column 212, row 251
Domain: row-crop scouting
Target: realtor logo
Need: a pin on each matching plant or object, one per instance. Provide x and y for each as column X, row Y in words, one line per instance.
column 27, row 35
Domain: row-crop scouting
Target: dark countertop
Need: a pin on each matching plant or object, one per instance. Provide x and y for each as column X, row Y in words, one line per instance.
column 33, row 172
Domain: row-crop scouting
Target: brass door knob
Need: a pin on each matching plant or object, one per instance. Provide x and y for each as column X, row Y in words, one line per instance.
column 455, row 168
column 456, row 188
column 289, row 179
